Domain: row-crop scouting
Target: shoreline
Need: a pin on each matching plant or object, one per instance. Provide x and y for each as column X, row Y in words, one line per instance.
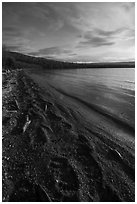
column 48, row 155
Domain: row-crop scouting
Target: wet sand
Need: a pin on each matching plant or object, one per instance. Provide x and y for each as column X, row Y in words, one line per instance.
column 54, row 150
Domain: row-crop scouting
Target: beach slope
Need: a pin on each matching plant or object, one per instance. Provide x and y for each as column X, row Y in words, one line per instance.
column 51, row 152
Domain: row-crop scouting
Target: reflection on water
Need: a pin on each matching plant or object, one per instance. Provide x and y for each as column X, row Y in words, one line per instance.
column 111, row 90
column 114, row 78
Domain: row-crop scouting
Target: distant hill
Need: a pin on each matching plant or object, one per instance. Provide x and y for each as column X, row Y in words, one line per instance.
column 14, row 60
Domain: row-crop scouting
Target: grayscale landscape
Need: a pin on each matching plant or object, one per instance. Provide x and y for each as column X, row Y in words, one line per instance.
column 68, row 102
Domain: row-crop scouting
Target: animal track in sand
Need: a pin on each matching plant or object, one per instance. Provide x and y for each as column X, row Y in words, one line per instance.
column 66, row 180
column 5, row 120
column 86, row 156
column 41, row 136
column 26, row 191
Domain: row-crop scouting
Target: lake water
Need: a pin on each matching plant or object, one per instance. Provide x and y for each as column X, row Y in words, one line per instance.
column 109, row 91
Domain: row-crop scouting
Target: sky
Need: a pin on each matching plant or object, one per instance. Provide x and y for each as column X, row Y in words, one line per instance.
column 71, row 31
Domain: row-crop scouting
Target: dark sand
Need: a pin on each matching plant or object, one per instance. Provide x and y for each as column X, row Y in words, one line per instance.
column 54, row 150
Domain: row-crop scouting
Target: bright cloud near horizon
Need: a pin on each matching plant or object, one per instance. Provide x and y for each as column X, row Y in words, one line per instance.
column 71, row 31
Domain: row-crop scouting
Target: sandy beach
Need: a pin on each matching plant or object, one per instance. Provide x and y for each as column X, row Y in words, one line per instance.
column 53, row 150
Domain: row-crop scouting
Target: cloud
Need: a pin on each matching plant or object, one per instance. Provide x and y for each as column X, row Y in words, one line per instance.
column 51, row 51
column 69, row 30
column 13, row 47
column 99, row 37
column 128, row 6
column 96, row 38
column 96, row 42
column 106, row 33
column 11, row 31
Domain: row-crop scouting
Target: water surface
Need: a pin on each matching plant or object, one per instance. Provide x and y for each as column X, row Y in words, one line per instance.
column 110, row 91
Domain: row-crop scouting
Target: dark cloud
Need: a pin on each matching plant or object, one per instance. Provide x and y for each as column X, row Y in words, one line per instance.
column 109, row 33
column 13, row 47
column 8, row 29
column 11, row 31
column 94, row 40
column 72, row 54
column 17, row 48
column 99, row 37
column 128, row 6
column 51, row 51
